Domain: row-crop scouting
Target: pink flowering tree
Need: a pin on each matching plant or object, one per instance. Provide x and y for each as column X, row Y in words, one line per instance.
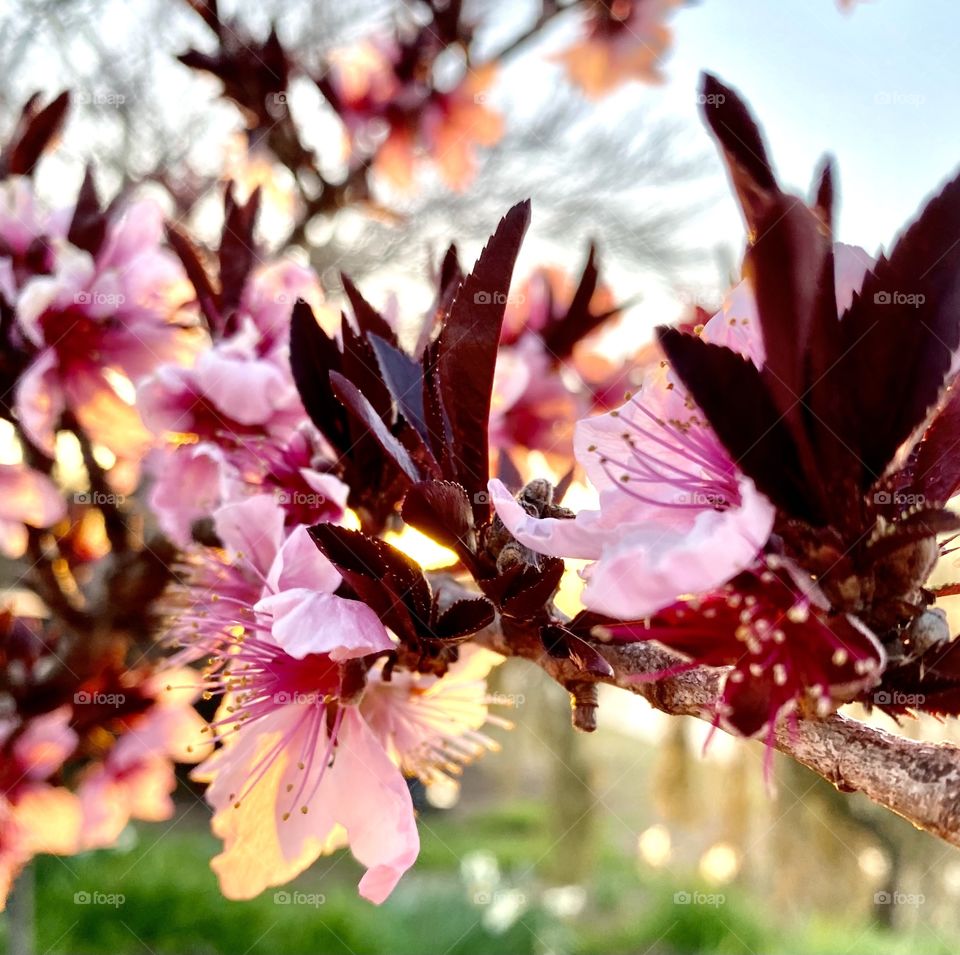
column 219, row 579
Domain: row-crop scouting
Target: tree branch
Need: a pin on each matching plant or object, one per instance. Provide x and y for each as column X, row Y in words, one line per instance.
column 919, row 781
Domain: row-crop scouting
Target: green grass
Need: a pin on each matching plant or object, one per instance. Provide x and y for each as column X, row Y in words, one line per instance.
column 172, row 905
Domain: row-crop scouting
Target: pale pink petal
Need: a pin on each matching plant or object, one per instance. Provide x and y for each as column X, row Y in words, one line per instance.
column 30, row 497
column 299, row 563
column 39, row 400
column 253, row 527
column 45, row 743
column 248, row 392
column 306, row 622
column 371, row 801
column 188, row 487
column 583, row 536
column 653, row 564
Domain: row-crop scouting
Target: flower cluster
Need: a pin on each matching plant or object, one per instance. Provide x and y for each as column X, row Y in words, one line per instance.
column 761, row 509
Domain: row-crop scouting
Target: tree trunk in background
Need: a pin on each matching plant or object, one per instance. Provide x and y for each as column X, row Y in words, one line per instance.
column 21, row 914
column 571, row 800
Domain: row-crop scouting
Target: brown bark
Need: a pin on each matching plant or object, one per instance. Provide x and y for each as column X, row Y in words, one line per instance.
column 919, row 781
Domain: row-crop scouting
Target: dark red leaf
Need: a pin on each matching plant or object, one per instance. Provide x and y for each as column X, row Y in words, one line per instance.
column 468, row 353
column 734, row 398
column 35, row 130
column 936, row 470
column 900, row 333
column 404, row 380
column 89, row 223
column 357, row 404
column 464, row 618
column 529, row 601
column 368, row 319
column 743, row 148
column 312, row 357
column 561, row 335
column 385, row 578
column 197, row 274
column 238, row 247
column 442, row 511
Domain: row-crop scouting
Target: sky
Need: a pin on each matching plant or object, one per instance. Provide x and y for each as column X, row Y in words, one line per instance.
column 878, row 87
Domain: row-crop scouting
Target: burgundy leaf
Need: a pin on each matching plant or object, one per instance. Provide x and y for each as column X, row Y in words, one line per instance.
column 197, row 274
column 359, row 365
column 371, row 422
column 468, row 353
column 441, row 510
column 382, row 576
column 35, row 130
column 89, row 223
column 526, row 603
column 238, row 248
column 824, row 195
column 560, row 336
column 312, row 357
column 463, row 618
column 901, row 331
column 936, row 470
column 404, row 380
column 743, row 148
column 735, row 400
column 369, row 320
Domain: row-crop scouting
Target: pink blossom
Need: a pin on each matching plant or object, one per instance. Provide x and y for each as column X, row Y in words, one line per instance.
column 96, row 322
column 26, row 497
column 136, row 778
column 27, row 231
column 35, row 816
column 675, row 515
